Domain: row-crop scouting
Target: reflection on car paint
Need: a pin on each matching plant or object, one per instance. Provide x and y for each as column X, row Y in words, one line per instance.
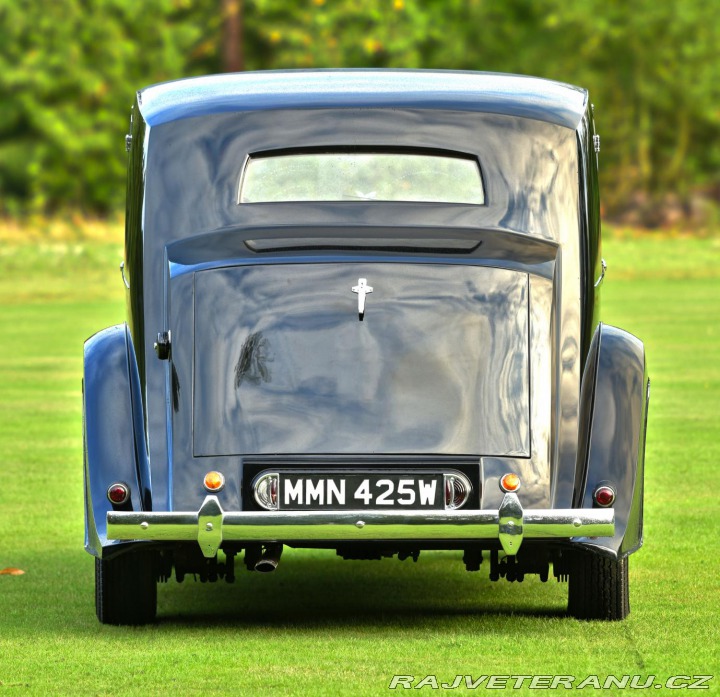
column 253, row 362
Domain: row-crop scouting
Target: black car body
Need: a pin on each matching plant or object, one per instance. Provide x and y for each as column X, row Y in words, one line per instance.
column 356, row 302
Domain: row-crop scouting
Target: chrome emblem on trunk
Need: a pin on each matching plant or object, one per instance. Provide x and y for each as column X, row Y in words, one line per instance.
column 362, row 289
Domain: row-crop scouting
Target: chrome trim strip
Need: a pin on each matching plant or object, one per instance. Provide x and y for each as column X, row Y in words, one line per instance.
column 270, row 526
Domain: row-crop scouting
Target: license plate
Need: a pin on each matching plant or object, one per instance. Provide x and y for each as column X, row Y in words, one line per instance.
column 360, row 491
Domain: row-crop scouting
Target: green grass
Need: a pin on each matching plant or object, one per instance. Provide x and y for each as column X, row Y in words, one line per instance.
column 320, row 625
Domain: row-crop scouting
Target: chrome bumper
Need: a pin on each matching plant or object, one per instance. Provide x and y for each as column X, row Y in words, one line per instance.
column 510, row 524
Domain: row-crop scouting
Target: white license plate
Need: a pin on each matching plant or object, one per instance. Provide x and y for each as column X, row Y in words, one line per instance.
column 360, row 491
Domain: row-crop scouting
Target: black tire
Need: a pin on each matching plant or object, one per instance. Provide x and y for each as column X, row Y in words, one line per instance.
column 598, row 588
column 126, row 588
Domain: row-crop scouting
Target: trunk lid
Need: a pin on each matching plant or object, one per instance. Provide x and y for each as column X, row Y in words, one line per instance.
column 438, row 365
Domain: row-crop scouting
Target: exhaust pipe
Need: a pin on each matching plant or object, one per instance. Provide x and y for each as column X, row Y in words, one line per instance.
column 270, row 559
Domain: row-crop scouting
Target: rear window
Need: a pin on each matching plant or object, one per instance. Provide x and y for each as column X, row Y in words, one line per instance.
column 361, row 176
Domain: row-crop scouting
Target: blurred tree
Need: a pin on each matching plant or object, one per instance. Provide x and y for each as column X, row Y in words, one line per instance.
column 652, row 70
column 233, row 53
column 68, row 70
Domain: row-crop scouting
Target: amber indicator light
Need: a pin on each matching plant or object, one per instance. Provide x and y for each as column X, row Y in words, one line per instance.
column 214, row 481
column 510, row 482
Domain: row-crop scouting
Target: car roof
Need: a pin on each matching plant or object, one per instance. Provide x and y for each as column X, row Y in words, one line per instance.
column 498, row 93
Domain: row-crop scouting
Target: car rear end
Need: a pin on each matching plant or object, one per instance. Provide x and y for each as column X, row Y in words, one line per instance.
column 377, row 332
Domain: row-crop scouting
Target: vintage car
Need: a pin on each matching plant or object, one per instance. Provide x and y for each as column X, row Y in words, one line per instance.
column 363, row 315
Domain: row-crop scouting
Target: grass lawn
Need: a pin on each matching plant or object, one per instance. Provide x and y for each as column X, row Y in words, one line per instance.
column 320, row 625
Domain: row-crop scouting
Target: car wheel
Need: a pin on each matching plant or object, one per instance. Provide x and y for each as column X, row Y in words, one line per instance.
column 126, row 588
column 598, row 588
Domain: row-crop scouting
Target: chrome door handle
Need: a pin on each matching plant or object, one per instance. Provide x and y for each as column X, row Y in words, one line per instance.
column 602, row 274
column 122, row 273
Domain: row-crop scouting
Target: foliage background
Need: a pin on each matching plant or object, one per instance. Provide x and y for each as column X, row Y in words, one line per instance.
column 69, row 69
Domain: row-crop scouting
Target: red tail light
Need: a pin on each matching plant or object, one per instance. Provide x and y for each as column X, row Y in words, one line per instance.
column 118, row 493
column 604, row 496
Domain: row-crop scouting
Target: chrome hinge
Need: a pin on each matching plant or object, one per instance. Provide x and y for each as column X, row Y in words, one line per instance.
column 596, row 143
column 128, row 142
column 162, row 346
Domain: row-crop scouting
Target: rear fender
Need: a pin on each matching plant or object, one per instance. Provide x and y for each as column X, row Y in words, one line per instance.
column 614, row 400
column 113, row 431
